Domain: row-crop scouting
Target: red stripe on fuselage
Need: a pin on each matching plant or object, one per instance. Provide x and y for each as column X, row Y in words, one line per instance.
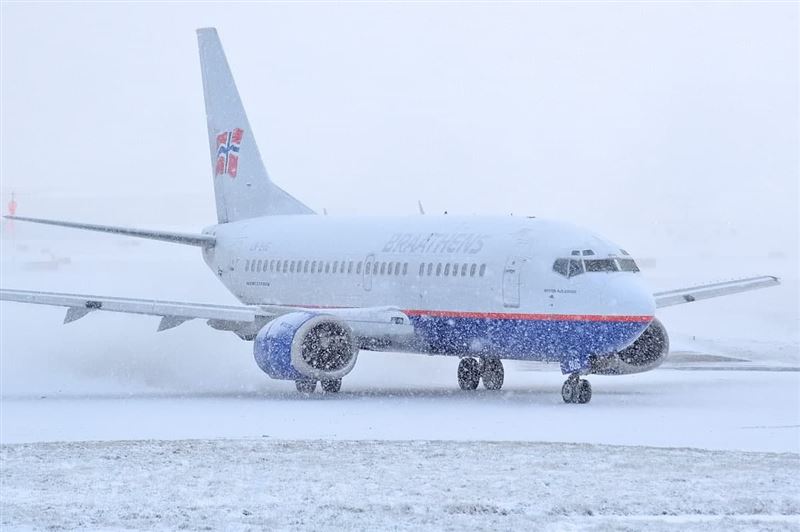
column 530, row 317
column 503, row 315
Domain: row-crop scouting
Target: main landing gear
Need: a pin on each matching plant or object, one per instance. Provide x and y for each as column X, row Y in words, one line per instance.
column 309, row 385
column 576, row 390
column 471, row 371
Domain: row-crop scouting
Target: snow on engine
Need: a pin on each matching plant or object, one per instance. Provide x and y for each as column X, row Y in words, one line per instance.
column 306, row 345
column 646, row 353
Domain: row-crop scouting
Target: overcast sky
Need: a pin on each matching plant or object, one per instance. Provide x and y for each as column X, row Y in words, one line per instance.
column 661, row 126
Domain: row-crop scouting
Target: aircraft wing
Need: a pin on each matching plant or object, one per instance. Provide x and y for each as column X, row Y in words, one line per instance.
column 244, row 320
column 707, row 291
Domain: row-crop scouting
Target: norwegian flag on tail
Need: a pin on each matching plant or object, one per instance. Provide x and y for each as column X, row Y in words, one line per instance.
column 228, row 143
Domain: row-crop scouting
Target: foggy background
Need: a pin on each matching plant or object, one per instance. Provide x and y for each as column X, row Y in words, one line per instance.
column 671, row 129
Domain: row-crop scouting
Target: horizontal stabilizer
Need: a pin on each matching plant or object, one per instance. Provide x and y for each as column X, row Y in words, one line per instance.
column 165, row 236
column 707, row 291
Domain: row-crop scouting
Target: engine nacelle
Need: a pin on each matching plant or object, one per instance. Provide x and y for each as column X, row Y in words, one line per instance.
column 646, row 353
column 305, row 345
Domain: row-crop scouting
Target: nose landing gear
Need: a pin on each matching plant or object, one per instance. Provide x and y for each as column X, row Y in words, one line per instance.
column 576, row 390
column 471, row 372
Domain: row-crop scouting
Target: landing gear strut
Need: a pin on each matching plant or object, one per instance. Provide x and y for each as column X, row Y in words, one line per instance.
column 471, row 372
column 576, row 390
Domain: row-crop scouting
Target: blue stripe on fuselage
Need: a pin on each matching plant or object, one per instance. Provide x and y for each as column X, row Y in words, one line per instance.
column 527, row 339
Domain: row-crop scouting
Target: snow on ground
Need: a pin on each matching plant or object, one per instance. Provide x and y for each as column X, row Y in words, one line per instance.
column 741, row 410
column 263, row 484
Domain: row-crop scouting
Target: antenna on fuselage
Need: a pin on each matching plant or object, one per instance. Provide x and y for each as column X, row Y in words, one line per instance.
column 421, row 208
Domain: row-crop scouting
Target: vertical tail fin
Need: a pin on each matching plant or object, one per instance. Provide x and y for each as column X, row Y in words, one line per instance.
column 241, row 184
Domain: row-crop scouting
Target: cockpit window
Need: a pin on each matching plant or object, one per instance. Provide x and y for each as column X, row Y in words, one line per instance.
column 601, row 265
column 627, row 265
column 561, row 266
column 575, row 267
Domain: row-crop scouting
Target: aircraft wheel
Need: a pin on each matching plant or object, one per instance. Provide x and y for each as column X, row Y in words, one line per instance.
column 568, row 391
column 584, row 392
column 469, row 374
column 331, row 386
column 493, row 374
column 576, row 390
column 305, row 385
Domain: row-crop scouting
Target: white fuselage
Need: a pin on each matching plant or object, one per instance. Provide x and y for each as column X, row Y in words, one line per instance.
column 505, row 282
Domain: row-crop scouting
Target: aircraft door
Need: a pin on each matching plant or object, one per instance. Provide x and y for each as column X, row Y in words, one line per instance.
column 368, row 266
column 511, row 282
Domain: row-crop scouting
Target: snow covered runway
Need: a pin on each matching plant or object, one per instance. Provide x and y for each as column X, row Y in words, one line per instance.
column 735, row 410
column 266, row 484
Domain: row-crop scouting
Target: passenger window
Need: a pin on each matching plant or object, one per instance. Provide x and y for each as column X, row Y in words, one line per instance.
column 463, row 270
column 358, row 268
column 327, row 267
column 447, row 269
column 575, row 267
column 335, row 265
column 305, row 267
column 561, row 266
column 272, row 265
column 472, row 270
column 430, row 268
column 389, row 269
column 291, row 267
column 439, row 269
column 350, row 267
column 482, row 270
column 421, row 269
column 405, row 268
column 383, row 268
column 313, row 266
column 455, row 269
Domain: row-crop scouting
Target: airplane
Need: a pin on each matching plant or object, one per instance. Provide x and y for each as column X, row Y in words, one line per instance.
column 315, row 291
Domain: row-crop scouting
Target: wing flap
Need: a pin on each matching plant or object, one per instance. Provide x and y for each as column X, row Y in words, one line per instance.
column 707, row 291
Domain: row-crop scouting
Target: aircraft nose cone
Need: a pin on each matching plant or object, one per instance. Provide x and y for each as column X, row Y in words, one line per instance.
column 630, row 297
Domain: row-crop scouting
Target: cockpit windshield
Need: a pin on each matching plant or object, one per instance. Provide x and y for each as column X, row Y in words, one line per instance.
column 601, row 265
column 576, row 265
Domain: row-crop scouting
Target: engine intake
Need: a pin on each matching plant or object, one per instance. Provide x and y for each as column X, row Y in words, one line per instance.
column 646, row 353
column 305, row 345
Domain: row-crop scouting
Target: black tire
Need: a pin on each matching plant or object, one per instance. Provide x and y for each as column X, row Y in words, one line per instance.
column 469, row 374
column 305, row 385
column 493, row 374
column 584, row 392
column 568, row 392
column 332, row 386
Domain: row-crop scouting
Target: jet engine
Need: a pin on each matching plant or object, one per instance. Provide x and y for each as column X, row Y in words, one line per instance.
column 646, row 353
column 305, row 345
